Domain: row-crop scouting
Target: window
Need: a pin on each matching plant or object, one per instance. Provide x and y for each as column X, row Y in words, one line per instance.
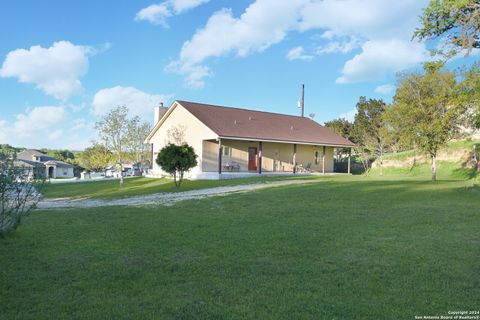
column 317, row 157
column 227, row 151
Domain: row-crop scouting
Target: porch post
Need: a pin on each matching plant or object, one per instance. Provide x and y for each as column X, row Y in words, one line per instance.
column 349, row 156
column 260, row 157
column 323, row 160
column 219, row 156
column 294, row 158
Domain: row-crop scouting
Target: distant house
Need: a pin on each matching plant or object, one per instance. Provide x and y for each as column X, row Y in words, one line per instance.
column 40, row 162
column 245, row 142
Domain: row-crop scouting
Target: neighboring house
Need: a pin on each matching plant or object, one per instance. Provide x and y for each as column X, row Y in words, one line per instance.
column 245, row 141
column 52, row 167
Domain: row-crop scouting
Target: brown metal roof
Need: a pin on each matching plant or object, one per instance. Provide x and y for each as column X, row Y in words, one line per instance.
column 230, row 122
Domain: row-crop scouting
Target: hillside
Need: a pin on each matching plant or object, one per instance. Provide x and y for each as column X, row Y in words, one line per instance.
column 455, row 161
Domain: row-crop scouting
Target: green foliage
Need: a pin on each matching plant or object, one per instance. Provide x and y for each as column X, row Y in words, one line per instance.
column 342, row 127
column 18, row 191
column 458, row 20
column 7, row 151
column 176, row 160
column 124, row 137
column 471, row 95
column 96, row 158
column 113, row 133
column 427, row 110
column 369, row 130
column 61, row 155
column 137, row 132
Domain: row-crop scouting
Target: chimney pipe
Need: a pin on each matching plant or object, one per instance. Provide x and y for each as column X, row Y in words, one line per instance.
column 158, row 112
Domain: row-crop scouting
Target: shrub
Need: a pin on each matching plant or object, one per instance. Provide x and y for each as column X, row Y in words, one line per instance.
column 18, row 193
column 176, row 160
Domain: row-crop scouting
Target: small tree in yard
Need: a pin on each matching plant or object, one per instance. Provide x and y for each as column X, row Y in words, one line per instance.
column 113, row 132
column 18, row 192
column 96, row 158
column 369, row 129
column 176, row 160
column 430, row 109
column 137, row 132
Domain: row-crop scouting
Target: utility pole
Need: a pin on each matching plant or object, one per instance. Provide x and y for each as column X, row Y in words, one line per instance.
column 302, row 102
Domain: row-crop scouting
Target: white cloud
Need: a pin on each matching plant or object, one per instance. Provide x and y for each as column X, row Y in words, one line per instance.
column 349, row 115
column 298, row 53
column 78, row 124
column 385, row 89
column 37, row 119
column 138, row 102
column 379, row 57
column 3, row 131
column 370, row 19
column 158, row 13
column 55, row 135
column 48, row 127
column 267, row 22
column 55, row 70
column 264, row 23
column 339, row 46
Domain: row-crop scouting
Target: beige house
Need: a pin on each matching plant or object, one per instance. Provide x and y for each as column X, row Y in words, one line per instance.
column 37, row 162
column 239, row 142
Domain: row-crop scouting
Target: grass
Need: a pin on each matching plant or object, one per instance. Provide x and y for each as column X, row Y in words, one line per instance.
column 142, row 186
column 343, row 248
column 445, row 171
column 461, row 144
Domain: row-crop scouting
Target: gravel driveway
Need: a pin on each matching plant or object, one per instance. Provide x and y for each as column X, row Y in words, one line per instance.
column 164, row 198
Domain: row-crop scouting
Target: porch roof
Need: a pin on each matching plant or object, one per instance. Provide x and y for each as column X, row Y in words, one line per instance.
column 244, row 124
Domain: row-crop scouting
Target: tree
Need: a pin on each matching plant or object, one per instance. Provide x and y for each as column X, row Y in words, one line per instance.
column 430, row 110
column 344, row 128
column 113, row 132
column 61, row 155
column 458, row 20
column 471, row 95
column 176, row 160
column 96, row 158
column 18, row 192
column 369, row 128
column 341, row 126
column 137, row 132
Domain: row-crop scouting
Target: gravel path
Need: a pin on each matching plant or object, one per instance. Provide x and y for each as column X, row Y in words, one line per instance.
column 164, row 198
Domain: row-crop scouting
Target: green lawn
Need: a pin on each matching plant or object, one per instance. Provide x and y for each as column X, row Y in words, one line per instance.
column 454, row 145
column 343, row 248
column 141, row 186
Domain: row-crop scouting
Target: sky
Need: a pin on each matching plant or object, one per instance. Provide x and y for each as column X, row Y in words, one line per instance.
column 65, row 64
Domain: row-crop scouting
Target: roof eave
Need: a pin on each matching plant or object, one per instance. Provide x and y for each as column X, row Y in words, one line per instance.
column 338, row 145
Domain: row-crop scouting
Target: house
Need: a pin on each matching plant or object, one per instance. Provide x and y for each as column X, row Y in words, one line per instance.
column 240, row 142
column 40, row 162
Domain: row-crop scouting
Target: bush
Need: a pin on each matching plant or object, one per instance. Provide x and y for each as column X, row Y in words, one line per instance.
column 18, row 193
column 176, row 160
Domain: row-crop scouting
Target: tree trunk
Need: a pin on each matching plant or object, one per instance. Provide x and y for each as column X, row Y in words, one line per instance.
column 121, row 174
column 434, row 168
column 175, row 179
column 381, row 163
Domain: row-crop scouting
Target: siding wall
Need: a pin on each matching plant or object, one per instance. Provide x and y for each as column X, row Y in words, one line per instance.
column 195, row 132
column 276, row 156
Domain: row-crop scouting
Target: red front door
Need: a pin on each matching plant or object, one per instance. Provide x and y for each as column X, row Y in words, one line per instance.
column 252, row 159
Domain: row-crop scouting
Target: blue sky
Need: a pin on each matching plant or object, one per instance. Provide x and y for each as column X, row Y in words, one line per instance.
column 64, row 64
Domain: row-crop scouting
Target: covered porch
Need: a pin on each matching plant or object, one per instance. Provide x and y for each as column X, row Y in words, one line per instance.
column 228, row 156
